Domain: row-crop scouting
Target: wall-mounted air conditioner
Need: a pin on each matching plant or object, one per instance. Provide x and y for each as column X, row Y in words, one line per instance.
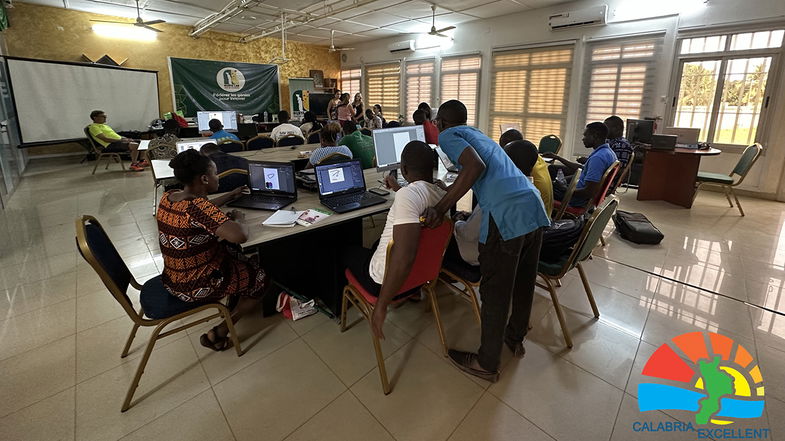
column 584, row 17
column 401, row 46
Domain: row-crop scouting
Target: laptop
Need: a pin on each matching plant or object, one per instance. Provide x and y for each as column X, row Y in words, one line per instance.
column 192, row 144
column 663, row 142
column 272, row 186
column 342, row 187
column 445, row 159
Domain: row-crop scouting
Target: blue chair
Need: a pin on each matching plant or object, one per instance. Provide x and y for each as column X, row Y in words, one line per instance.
column 159, row 307
column 290, row 140
column 231, row 146
column 747, row 160
column 260, row 142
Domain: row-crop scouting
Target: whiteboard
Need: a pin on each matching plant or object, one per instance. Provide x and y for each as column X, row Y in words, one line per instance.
column 54, row 100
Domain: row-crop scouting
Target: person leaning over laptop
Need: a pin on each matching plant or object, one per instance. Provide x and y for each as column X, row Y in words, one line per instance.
column 402, row 227
column 328, row 137
column 112, row 142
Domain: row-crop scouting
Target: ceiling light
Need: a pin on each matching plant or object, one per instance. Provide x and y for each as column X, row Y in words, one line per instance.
column 124, row 32
column 248, row 17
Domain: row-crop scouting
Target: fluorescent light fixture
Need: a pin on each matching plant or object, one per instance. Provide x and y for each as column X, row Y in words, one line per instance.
column 124, row 32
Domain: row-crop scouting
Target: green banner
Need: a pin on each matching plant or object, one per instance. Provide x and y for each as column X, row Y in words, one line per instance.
column 224, row 85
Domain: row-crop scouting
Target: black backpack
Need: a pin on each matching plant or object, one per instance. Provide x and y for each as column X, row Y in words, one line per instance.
column 636, row 228
column 559, row 238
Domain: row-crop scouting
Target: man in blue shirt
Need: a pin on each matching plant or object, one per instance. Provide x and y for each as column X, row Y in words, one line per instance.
column 596, row 164
column 219, row 134
column 510, row 236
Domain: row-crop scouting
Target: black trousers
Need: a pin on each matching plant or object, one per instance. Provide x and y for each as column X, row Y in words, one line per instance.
column 509, row 271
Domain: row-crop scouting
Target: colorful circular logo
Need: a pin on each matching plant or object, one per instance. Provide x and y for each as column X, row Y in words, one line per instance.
column 720, row 380
column 230, row 79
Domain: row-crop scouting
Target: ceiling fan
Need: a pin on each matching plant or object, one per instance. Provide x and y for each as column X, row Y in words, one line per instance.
column 139, row 22
column 282, row 59
column 332, row 44
column 438, row 32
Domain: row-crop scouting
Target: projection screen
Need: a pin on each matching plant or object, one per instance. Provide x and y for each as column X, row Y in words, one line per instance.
column 53, row 100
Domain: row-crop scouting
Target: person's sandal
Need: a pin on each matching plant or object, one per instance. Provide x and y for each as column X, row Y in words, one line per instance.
column 218, row 344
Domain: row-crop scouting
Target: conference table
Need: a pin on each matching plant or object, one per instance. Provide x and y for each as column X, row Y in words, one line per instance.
column 669, row 175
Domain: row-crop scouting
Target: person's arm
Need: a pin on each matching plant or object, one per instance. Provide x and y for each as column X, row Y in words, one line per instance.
column 587, row 192
column 234, row 230
column 571, row 166
column 406, row 237
column 472, row 166
column 230, row 196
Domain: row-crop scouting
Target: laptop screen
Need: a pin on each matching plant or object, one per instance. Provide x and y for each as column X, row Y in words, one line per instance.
column 271, row 177
column 228, row 119
column 196, row 145
column 340, row 177
column 389, row 144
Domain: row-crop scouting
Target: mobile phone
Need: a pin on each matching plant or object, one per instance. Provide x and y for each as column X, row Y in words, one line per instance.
column 379, row 191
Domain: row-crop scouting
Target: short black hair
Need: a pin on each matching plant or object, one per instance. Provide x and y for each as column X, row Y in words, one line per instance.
column 453, row 112
column 524, row 155
column 419, row 116
column 209, row 148
column 379, row 106
column 369, row 113
column 215, row 125
column 189, row 165
column 599, row 129
column 418, row 157
column 348, row 127
column 614, row 120
column 95, row 113
column 425, row 107
column 283, row 116
column 509, row 136
column 308, row 117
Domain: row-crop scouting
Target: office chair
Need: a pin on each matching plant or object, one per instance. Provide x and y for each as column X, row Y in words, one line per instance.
column 290, row 140
column 259, row 142
column 231, row 146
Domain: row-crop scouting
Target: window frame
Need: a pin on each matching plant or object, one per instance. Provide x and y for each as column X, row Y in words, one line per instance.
column 365, row 86
column 360, row 78
column 440, row 95
column 435, row 78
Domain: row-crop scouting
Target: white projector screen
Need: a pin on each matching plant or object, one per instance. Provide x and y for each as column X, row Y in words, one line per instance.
column 54, row 100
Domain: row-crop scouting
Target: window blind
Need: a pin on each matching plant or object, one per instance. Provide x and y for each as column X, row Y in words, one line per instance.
column 350, row 81
column 383, row 83
column 419, row 85
column 530, row 87
column 460, row 80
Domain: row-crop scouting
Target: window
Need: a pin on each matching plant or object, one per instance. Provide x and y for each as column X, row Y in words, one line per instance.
column 350, row 81
column 722, row 85
column 419, row 85
column 619, row 79
column 530, row 87
column 383, row 83
column 460, row 80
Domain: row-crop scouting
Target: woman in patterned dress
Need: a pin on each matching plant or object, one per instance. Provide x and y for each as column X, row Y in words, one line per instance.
column 203, row 261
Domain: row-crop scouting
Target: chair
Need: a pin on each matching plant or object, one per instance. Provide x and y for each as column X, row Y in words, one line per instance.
column 469, row 276
column 557, row 205
column 290, row 140
column 605, row 184
column 230, row 179
column 159, row 307
column 99, row 153
column 231, row 146
column 189, row 132
column 313, row 138
column 622, row 176
column 550, row 144
column 424, row 273
column 747, row 160
column 332, row 158
column 259, row 142
column 552, row 272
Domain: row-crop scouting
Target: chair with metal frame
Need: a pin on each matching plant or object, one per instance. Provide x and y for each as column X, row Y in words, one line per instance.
column 230, row 179
column 424, row 274
column 334, row 157
column 557, row 205
column 231, row 146
column 469, row 276
column 747, row 160
column 552, row 272
column 159, row 308
column 260, row 142
column 550, row 144
column 290, row 141
column 99, row 153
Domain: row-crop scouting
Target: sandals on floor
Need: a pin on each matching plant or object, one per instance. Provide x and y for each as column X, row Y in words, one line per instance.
column 219, row 344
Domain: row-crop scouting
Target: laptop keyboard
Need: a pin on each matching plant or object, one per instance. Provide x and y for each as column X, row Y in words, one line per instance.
column 349, row 199
column 267, row 199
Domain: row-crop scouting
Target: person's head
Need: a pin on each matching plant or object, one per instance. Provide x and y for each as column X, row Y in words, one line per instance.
column 417, row 162
column 283, row 117
column 337, row 94
column 419, row 117
column 328, row 136
column 309, row 117
column 377, row 109
column 523, row 153
column 171, row 126
column 358, row 98
column 369, row 113
column 451, row 113
column 98, row 116
column 425, row 108
column 615, row 126
column 349, row 127
column 345, row 98
column 510, row 136
column 595, row 135
column 215, row 125
column 196, row 171
column 209, row 148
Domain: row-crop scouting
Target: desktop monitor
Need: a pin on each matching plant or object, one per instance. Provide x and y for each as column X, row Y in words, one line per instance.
column 640, row 130
column 389, row 143
column 227, row 117
column 193, row 144
column 317, row 103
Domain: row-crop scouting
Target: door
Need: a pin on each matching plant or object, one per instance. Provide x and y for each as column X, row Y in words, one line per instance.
column 12, row 160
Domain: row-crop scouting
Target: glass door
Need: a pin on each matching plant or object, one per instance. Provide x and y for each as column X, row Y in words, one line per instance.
column 11, row 158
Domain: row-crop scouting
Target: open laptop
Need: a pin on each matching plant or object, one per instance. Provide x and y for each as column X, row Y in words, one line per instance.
column 192, row 144
column 272, row 186
column 342, row 187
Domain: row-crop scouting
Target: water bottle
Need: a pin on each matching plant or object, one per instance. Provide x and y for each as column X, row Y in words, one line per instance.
column 560, row 177
column 265, row 116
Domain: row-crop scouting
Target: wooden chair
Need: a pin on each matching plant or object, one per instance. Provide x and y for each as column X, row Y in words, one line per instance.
column 230, row 179
column 747, row 160
column 231, row 146
column 290, row 140
column 469, row 276
column 99, row 153
column 259, row 142
column 550, row 144
column 605, row 184
column 424, row 274
column 159, row 308
column 551, row 272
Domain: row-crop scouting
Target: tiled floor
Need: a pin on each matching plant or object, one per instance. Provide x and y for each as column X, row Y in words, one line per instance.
column 61, row 335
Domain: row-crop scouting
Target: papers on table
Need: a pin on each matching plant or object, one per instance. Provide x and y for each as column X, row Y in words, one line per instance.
column 283, row 218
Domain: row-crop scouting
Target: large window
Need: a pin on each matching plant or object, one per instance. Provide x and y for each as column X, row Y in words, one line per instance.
column 530, row 87
column 722, row 85
column 419, row 85
column 350, row 81
column 383, row 83
column 460, row 80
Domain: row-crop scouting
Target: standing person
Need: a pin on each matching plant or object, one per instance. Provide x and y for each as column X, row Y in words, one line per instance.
column 359, row 108
column 420, row 118
column 510, row 237
column 372, row 121
column 377, row 110
column 345, row 110
column 332, row 106
column 425, row 107
column 112, row 142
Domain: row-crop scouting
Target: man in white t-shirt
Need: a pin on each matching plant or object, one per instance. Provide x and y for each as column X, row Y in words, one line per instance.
column 285, row 129
column 402, row 227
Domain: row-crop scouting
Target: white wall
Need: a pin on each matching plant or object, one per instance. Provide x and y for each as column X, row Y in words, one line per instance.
column 531, row 27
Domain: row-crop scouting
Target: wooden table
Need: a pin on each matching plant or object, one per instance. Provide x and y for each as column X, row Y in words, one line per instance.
column 669, row 175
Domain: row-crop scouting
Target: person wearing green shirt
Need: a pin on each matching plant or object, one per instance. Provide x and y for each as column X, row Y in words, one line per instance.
column 360, row 145
column 111, row 142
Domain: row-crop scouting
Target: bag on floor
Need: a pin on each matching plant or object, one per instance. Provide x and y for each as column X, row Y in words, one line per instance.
column 559, row 238
column 636, row 228
column 294, row 309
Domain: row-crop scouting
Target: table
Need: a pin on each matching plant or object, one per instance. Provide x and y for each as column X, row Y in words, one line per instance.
column 669, row 175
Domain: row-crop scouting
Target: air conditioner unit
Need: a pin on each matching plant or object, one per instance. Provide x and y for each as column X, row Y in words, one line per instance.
column 585, row 17
column 401, row 46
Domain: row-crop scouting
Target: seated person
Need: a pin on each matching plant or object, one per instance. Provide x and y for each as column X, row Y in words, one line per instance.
column 203, row 261
column 596, row 164
column 165, row 146
column 219, row 134
column 617, row 141
column 361, row 145
column 541, row 177
column 328, row 137
column 372, row 120
column 224, row 161
column 285, row 129
column 402, row 227
column 111, row 142
column 431, row 132
column 310, row 124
